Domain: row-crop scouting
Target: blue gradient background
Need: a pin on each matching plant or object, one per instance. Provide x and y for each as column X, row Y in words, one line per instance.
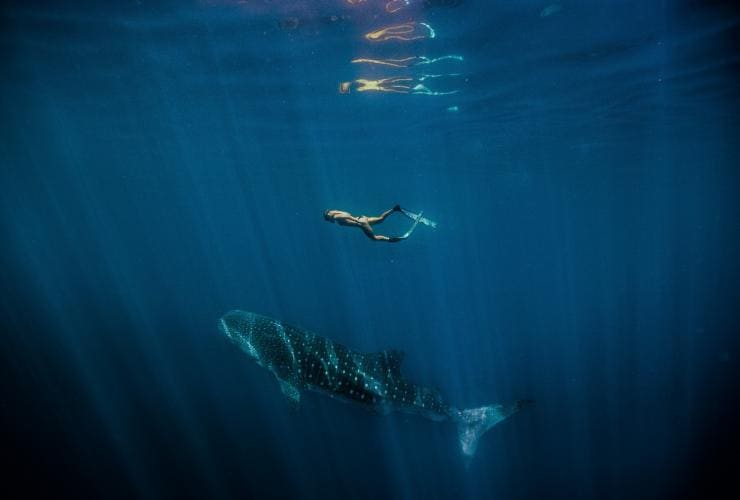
column 163, row 163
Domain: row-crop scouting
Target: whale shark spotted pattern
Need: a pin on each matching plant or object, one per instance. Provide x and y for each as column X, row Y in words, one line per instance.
column 301, row 360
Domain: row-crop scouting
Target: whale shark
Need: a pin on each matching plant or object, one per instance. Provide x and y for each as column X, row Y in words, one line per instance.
column 301, row 361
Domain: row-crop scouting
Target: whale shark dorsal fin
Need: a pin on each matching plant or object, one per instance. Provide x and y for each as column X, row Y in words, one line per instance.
column 394, row 358
column 389, row 360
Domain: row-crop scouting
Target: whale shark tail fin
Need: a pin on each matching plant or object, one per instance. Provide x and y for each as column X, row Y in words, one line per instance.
column 474, row 422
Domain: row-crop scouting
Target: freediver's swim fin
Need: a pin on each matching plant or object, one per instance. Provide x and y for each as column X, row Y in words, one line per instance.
column 396, row 239
column 419, row 218
column 413, row 226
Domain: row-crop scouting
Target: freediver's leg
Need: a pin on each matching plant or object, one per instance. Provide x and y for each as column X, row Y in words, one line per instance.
column 369, row 231
column 377, row 237
column 383, row 216
column 392, row 239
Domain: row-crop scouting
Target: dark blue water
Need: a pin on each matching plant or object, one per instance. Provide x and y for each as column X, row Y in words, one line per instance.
column 163, row 163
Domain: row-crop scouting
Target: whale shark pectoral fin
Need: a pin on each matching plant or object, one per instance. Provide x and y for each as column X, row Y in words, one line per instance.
column 291, row 393
column 381, row 410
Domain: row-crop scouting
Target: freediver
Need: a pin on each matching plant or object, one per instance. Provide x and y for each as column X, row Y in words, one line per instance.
column 365, row 223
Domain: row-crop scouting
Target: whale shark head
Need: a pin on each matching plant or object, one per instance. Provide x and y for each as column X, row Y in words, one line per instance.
column 240, row 327
column 259, row 336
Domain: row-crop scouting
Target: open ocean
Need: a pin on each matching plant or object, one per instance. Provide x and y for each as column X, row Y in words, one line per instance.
column 162, row 163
